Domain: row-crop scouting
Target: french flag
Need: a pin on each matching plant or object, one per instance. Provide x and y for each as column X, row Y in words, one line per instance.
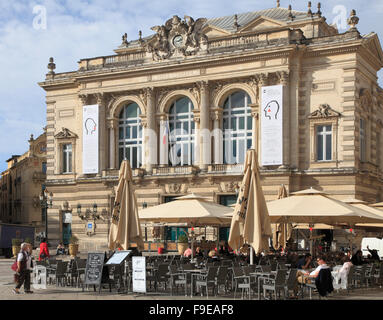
column 166, row 133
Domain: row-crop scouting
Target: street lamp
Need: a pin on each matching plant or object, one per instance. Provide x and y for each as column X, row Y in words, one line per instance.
column 46, row 200
column 95, row 215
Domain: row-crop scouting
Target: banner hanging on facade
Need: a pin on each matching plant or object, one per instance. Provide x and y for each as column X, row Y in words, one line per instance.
column 90, row 139
column 272, row 126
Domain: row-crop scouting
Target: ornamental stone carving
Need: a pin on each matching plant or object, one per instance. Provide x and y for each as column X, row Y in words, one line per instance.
column 65, row 134
column 177, row 36
column 324, row 111
column 174, row 188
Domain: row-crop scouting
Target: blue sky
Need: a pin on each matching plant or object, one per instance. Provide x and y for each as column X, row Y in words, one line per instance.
column 77, row 29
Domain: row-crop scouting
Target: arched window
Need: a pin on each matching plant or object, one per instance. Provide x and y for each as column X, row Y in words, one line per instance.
column 181, row 133
column 237, row 127
column 130, row 135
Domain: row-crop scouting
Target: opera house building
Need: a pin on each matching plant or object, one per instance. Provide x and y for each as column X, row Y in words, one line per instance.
column 184, row 104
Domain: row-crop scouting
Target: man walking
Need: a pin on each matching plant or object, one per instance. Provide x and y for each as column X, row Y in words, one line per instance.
column 23, row 270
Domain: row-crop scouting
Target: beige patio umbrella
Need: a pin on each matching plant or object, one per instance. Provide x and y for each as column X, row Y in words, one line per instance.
column 250, row 222
column 282, row 229
column 125, row 227
column 313, row 206
column 191, row 209
column 372, row 209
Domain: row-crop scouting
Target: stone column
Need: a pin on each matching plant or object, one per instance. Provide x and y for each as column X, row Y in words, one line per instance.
column 218, row 135
column 197, row 137
column 150, row 132
column 145, row 142
column 263, row 82
column 255, row 125
column 112, row 126
column 284, row 81
column 205, row 135
column 102, row 132
column 164, row 148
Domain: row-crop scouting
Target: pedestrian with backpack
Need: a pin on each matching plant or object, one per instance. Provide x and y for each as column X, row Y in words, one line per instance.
column 44, row 252
column 23, row 269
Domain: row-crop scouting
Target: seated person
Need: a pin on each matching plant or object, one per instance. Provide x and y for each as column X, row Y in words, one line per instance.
column 198, row 252
column 213, row 256
column 357, row 258
column 307, row 277
column 188, row 253
column 374, row 254
column 343, row 272
column 60, row 249
column 305, row 262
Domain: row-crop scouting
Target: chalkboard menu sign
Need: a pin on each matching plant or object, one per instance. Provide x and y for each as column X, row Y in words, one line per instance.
column 93, row 271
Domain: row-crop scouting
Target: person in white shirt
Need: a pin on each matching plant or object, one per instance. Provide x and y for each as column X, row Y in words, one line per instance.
column 24, row 265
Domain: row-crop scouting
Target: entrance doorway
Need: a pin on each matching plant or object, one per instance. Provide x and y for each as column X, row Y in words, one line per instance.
column 67, row 233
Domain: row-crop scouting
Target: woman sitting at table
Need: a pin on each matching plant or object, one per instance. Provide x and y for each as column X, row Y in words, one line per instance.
column 343, row 272
column 198, row 252
column 213, row 256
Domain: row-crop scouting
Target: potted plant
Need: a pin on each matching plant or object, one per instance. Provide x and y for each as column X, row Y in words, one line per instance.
column 73, row 246
column 16, row 246
column 183, row 243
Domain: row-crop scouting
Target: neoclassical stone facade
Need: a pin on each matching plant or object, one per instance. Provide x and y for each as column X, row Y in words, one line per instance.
column 203, row 78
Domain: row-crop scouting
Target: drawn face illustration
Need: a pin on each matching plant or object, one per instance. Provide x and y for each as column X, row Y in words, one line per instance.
column 90, row 126
column 272, row 110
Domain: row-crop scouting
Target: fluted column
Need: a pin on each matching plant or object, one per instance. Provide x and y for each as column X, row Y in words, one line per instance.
column 255, row 127
column 218, row 135
column 102, row 132
column 205, row 135
column 112, row 127
column 284, row 81
column 164, row 147
column 197, row 137
column 150, row 139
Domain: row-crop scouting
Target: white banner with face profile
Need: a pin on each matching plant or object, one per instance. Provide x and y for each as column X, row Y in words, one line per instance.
column 272, row 125
column 90, row 139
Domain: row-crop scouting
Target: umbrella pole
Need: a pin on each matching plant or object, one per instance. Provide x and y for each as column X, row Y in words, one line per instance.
column 251, row 255
column 311, row 241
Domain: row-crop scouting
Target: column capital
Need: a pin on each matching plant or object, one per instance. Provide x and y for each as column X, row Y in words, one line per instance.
column 100, row 98
column 216, row 114
column 263, row 79
column 162, row 116
column 83, row 98
column 144, row 120
column 196, row 116
column 112, row 123
column 283, row 77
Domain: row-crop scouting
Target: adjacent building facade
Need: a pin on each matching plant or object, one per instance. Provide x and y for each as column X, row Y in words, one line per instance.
column 21, row 185
column 184, row 105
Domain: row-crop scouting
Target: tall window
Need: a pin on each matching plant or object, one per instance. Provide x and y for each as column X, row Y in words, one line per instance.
column 130, row 135
column 324, row 143
column 67, row 158
column 362, row 139
column 237, row 127
column 181, row 137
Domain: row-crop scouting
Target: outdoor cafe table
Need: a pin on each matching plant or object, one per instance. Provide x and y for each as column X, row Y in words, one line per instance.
column 194, row 272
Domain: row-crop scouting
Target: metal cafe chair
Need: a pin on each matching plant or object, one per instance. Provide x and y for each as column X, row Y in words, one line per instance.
column 61, row 270
column 177, row 278
column 162, row 275
column 290, row 281
column 276, row 284
column 206, row 280
column 241, row 281
column 221, row 279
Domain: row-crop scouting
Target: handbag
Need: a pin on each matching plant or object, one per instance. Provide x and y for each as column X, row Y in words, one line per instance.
column 43, row 255
column 14, row 266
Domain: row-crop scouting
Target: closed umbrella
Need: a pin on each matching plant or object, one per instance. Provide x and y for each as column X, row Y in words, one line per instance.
column 250, row 222
column 283, row 230
column 125, row 227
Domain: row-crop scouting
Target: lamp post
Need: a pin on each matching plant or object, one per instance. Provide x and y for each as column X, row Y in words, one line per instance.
column 46, row 199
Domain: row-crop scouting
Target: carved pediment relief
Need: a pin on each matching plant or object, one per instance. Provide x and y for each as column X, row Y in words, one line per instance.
column 177, row 37
column 214, row 32
column 324, row 111
column 262, row 23
column 65, row 134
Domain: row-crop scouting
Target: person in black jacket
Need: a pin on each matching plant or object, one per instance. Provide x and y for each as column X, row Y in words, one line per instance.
column 323, row 280
column 357, row 258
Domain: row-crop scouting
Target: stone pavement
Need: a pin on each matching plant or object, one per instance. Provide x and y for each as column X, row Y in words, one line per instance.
column 67, row 293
